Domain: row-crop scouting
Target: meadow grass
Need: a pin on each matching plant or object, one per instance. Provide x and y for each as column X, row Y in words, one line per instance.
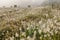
column 30, row 24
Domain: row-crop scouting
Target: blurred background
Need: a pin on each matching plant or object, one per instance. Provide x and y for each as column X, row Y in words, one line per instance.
column 21, row 3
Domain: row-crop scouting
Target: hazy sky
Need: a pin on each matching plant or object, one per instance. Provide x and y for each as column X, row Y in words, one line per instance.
column 20, row 2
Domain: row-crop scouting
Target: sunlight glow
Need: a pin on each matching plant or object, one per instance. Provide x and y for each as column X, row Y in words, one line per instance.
column 19, row 2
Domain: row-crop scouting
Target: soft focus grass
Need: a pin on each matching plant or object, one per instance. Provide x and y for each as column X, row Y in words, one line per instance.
column 40, row 23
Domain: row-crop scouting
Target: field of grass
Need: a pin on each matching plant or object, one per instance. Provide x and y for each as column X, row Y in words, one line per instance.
column 39, row 23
